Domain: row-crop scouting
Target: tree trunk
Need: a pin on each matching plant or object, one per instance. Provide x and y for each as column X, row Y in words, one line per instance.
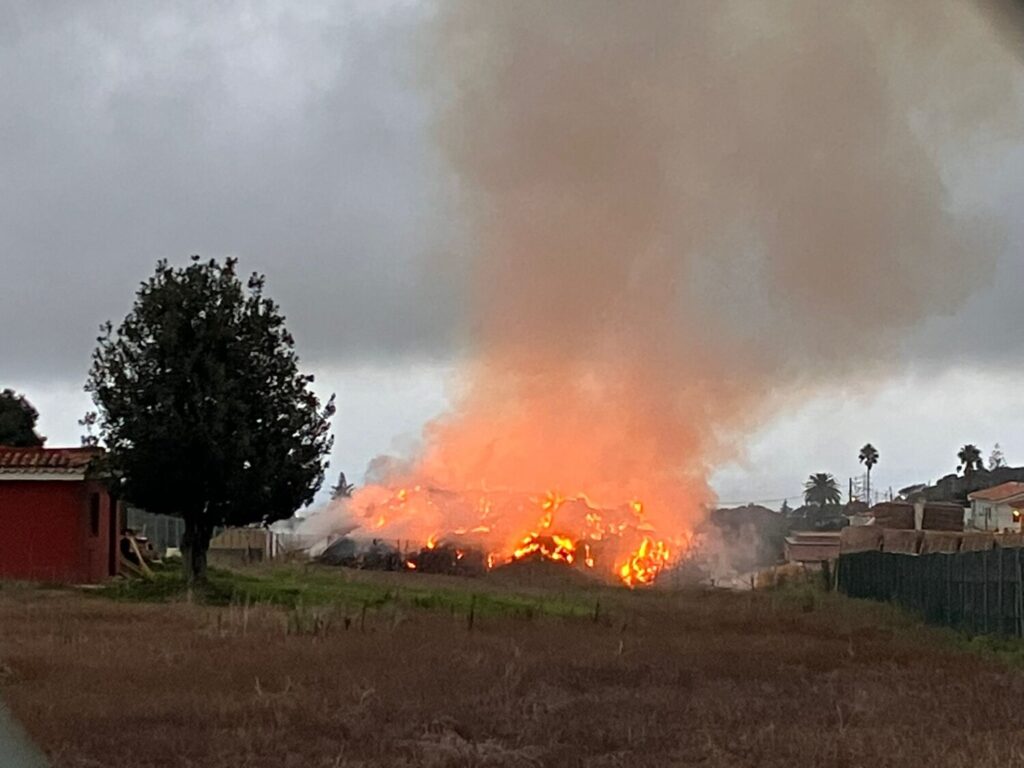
column 194, row 545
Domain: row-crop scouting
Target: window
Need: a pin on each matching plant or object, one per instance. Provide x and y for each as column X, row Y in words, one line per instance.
column 94, row 514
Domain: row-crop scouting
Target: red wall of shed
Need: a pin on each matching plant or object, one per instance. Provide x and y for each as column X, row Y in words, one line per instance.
column 46, row 532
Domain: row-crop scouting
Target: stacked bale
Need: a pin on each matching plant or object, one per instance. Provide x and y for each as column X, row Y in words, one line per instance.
column 977, row 542
column 894, row 514
column 450, row 560
column 940, row 541
column 1010, row 540
column 860, row 538
column 943, row 517
column 902, row 541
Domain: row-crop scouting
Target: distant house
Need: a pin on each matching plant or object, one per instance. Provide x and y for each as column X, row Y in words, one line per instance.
column 998, row 508
column 810, row 547
column 57, row 521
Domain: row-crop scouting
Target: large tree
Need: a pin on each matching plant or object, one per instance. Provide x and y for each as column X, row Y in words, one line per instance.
column 970, row 459
column 202, row 405
column 821, row 489
column 868, row 457
column 18, row 421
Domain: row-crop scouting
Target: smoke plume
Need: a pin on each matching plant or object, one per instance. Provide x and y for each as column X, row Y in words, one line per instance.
column 678, row 216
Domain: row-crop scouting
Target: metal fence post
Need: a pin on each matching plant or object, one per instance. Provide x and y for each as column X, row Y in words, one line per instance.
column 1019, row 595
column 999, row 593
column 984, row 585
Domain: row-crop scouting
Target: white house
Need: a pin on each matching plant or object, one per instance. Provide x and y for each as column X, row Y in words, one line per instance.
column 998, row 508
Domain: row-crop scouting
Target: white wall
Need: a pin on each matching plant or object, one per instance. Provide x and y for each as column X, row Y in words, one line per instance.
column 989, row 516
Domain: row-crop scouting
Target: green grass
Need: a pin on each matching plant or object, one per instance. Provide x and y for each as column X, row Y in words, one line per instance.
column 306, row 591
column 295, row 587
column 851, row 614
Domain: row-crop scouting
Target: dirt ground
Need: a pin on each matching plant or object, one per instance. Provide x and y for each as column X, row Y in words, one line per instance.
column 694, row 678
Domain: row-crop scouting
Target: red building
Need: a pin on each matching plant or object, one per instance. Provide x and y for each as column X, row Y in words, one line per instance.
column 57, row 521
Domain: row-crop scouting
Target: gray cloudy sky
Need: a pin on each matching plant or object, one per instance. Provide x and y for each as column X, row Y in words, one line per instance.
column 288, row 134
column 294, row 136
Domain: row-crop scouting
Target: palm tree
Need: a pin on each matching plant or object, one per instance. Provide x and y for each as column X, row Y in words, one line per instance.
column 970, row 459
column 868, row 457
column 821, row 489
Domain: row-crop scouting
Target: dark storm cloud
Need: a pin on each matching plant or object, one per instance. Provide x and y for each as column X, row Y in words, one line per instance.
column 293, row 135
column 290, row 135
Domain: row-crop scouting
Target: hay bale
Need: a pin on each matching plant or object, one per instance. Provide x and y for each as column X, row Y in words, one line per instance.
column 977, row 542
column 940, row 541
column 942, row 517
column 1010, row 540
column 343, row 551
column 861, row 538
column 780, row 575
column 906, row 542
column 450, row 560
column 894, row 514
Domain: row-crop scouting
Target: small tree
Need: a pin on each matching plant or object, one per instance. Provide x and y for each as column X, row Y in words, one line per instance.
column 996, row 458
column 821, row 489
column 18, row 421
column 202, row 406
column 970, row 459
column 868, row 457
column 343, row 490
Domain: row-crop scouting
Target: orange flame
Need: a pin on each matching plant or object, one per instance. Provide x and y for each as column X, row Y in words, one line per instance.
column 622, row 542
column 644, row 565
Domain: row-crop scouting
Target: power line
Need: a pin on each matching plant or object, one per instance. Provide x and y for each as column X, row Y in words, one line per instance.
column 762, row 501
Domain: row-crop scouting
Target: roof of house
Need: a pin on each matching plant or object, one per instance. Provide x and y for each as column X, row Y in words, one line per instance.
column 997, row 493
column 23, row 462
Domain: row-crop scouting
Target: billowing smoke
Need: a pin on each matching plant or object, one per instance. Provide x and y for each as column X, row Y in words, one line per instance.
column 679, row 215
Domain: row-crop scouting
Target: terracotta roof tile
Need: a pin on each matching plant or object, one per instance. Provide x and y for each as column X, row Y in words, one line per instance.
column 999, row 492
column 46, row 460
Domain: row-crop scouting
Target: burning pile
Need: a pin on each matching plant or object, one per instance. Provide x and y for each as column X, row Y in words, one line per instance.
column 470, row 533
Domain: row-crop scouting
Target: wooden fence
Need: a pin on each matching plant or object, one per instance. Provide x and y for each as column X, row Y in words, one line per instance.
column 981, row 592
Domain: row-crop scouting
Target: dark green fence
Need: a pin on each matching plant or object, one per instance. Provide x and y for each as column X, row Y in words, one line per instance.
column 980, row 592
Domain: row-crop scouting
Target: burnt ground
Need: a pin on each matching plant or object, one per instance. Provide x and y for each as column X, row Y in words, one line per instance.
column 695, row 678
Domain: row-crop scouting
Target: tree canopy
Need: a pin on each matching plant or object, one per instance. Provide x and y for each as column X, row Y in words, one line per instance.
column 970, row 459
column 202, row 406
column 18, row 421
column 868, row 456
column 996, row 459
column 821, row 489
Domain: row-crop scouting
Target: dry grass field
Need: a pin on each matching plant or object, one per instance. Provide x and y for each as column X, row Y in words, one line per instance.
column 775, row 678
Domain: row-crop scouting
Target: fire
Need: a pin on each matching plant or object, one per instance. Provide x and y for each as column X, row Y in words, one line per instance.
column 557, row 548
column 644, row 565
column 622, row 542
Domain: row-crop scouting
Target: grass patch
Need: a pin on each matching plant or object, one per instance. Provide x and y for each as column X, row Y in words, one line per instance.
column 852, row 615
column 295, row 587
